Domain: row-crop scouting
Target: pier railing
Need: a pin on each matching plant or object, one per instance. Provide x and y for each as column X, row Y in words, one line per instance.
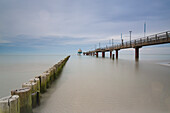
column 159, row 38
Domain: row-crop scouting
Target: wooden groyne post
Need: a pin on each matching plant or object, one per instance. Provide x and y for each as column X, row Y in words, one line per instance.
column 25, row 99
column 34, row 96
column 10, row 104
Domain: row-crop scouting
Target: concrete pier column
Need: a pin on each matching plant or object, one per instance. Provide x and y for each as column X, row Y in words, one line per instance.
column 25, row 99
column 97, row 54
column 10, row 104
column 117, row 54
column 103, row 54
column 110, row 54
column 113, row 57
column 137, row 53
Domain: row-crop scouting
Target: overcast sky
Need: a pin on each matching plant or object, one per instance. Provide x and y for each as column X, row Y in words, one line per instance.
column 63, row 26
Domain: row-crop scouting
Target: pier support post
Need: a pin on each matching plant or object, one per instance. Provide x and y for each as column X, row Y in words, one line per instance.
column 10, row 104
column 117, row 53
column 97, row 54
column 110, row 54
column 113, row 57
column 137, row 53
column 25, row 99
column 103, row 54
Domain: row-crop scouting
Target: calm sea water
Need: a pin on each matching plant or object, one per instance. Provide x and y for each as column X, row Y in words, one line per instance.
column 17, row 69
column 95, row 85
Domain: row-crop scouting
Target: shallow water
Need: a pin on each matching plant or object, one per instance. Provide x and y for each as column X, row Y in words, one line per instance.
column 17, row 69
column 94, row 85
column 101, row 85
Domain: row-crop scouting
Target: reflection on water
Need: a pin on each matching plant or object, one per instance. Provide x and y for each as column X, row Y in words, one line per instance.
column 97, row 85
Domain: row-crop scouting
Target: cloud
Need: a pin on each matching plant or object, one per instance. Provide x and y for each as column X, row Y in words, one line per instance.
column 4, row 41
column 41, row 23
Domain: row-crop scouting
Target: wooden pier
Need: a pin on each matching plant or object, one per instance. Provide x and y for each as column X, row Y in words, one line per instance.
column 160, row 38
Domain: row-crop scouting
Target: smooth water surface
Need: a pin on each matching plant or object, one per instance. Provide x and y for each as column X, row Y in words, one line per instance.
column 101, row 85
column 17, row 69
column 94, row 85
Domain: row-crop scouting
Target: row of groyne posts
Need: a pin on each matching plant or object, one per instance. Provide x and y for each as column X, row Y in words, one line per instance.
column 23, row 100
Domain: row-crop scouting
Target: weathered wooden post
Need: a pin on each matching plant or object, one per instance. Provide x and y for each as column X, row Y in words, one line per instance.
column 10, row 104
column 39, row 77
column 25, row 99
column 33, row 87
column 37, row 80
column 48, row 82
column 43, row 84
column 52, row 72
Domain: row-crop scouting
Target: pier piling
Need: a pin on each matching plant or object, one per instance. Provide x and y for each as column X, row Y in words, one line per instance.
column 103, row 54
column 113, row 57
column 97, row 54
column 137, row 53
column 110, row 54
column 117, row 53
